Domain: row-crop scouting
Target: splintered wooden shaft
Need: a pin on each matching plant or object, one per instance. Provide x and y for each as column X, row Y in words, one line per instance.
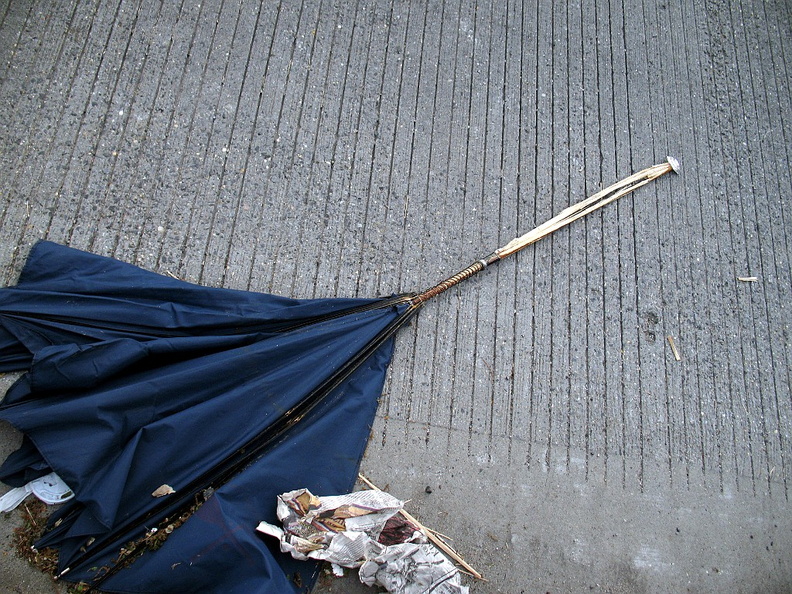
column 568, row 215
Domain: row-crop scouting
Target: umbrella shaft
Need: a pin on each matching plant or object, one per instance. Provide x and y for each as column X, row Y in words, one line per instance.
column 460, row 276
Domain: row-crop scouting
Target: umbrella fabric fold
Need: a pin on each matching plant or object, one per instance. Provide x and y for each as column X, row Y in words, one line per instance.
column 137, row 380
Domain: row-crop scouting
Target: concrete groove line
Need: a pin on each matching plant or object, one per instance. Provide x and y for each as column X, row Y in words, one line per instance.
column 658, row 110
column 174, row 131
column 6, row 63
column 731, row 365
column 568, row 239
column 148, row 235
column 430, row 323
column 778, row 97
column 782, row 272
column 414, row 64
column 533, row 408
column 688, row 317
column 361, row 169
column 390, row 407
column 720, row 381
column 389, row 180
column 196, row 243
column 460, row 385
column 515, row 9
column 5, row 14
column 750, row 442
column 352, row 248
column 327, row 265
column 622, row 368
column 660, row 407
column 317, row 61
column 44, row 67
column 459, row 121
column 286, row 192
column 113, row 137
column 475, row 158
column 592, row 238
column 757, row 217
column 109, row 136
column 47, row 154
column 21, row 159
column 73, row 236
column 632, row 112
column 247, row 94
column 747, row 321
column 597, row 224
column 64, row 191
column 581, row 385
column 191, row 250
column 382, row 151
column 539, row 397
column 340, row 166
column 423, row 366
column 634, row 297
column 128, row 105
column 508, row 203
column 372, row 191
column 323, row 112
column 286, row 161
column 119, row 250
column 218, row 276
column 408, row 252
column 279, row 126
column 784, row 278
column 773, row 242
column 169, row 242
column 241, row 267
column 474, row 186
column 315, row 185
column 496, row 147
column 40, row 179
column 611, row 339
column 550, row 270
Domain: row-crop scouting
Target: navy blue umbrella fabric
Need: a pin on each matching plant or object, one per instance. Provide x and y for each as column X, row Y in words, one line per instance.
column 136, row 380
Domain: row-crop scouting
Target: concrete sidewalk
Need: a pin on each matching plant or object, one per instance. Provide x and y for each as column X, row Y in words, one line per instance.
column 537, row 413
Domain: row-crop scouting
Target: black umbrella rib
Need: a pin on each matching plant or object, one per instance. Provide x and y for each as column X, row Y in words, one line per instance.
column 267, row 327
column 226, row 469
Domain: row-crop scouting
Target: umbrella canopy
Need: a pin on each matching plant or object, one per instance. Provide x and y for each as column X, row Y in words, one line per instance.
column 138, row 380
column 140, row 385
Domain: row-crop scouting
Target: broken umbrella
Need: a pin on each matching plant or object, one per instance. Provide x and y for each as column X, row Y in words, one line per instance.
column 140, row 385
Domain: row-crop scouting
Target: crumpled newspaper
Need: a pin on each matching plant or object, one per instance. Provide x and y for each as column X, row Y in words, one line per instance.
column 363, row 529
column 411, row 568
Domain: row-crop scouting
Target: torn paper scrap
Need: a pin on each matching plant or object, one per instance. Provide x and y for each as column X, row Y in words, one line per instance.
column 412, row 569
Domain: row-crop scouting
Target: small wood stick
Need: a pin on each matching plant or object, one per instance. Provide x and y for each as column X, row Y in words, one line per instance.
column 674, row 348
column 437, row 541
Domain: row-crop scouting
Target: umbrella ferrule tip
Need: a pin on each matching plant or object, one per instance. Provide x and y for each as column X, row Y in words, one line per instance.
column 674, row 164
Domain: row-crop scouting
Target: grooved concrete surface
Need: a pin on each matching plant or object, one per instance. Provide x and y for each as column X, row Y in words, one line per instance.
column 324, row 148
